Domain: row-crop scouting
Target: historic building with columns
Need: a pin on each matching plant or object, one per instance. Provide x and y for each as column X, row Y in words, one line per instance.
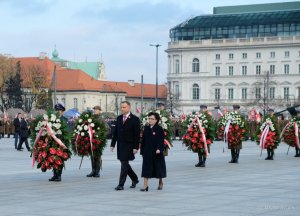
column 247, row 55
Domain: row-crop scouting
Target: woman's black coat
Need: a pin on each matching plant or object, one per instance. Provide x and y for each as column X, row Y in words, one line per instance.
column 154, row 165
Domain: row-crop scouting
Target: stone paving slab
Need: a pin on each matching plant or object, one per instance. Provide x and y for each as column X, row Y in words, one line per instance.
column 252, row 187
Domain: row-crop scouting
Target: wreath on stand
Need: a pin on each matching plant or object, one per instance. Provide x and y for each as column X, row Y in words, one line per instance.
column 267, row 135
column 89, row 135
column 50, row 141
column 200, row 132
column 232, row 128
column 291, row 132
column 167, row 125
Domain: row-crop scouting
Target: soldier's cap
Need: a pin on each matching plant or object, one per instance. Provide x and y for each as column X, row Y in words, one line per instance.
column 203, row 106
column 59, row 107
column 97, row 108
column 236, row 106
column 270, row 110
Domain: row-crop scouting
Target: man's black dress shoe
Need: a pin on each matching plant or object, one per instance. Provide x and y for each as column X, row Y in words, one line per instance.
column 119, row 188
column 134, row 183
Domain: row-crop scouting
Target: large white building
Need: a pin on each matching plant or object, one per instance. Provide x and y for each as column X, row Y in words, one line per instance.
column 246, row 55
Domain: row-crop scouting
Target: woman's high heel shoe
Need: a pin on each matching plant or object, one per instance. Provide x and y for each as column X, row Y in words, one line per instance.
column 145, row 189
column 160, row 187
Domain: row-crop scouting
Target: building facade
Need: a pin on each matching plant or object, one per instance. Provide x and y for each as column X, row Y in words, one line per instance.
column 233, row 57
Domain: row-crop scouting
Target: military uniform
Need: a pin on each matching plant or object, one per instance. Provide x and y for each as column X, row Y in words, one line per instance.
column 96, row 160
column 57, row 172
column 201, row 152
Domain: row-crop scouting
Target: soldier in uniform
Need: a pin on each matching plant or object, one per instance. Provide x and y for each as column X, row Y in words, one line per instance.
column 57, row 173
column 96, row 159
column 201, row 153
column 235, row 149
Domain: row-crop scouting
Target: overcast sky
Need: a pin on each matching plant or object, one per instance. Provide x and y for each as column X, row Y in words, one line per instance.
column 118, row 30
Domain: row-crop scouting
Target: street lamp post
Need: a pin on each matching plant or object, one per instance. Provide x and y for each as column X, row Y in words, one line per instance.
column 156, row 84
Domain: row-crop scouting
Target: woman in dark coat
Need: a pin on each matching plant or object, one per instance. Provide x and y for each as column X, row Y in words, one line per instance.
column 152, row 146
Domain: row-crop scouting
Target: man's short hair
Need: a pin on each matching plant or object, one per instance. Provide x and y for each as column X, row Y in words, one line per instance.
column 126, row 102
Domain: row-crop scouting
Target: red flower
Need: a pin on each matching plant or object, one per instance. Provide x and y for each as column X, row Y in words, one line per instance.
column 52, row 151
column 50, row 159
column 65, row 155
column 58, row 161
column 59, row 153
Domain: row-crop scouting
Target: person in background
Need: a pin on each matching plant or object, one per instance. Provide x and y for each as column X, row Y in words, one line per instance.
column 17, row 122
column 24, row 133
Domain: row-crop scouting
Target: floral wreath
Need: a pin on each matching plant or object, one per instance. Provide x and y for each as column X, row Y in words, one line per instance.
column 166, row 123
column 232, row 128
column 291, row 132
column 89, row 135
column 268, row 134
column 200, row 131
column 50, row 141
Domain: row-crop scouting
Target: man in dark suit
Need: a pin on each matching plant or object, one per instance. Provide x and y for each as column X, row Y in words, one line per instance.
column 17, row 122
column 127, row 135
column 24, row 133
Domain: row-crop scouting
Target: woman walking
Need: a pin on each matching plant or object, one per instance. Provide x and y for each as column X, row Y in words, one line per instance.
column 152, row 146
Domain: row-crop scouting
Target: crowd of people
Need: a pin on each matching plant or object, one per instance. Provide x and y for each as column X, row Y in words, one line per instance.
column 52, row 138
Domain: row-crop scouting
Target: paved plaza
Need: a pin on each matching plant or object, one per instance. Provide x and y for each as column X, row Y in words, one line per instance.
column 252, row 187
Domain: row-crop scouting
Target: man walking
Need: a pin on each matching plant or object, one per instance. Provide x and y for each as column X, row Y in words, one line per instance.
column 17, row 122
column 126, row 135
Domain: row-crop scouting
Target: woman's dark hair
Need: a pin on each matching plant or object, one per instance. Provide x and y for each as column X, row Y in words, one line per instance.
column 156, row 116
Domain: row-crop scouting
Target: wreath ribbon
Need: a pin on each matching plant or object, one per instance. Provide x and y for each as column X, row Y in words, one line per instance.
column 263, row 137
column 296, row 130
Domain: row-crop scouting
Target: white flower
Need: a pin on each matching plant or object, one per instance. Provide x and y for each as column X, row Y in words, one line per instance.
column 45, row 116
column 164, row 119
column 58, row 120
column 50, row 124
column 59, row 132
column 157, row 111
column 92, row 125
column 80, row 120
column 57, row 126
column 89, row 120
column 98, row 128
column 82, row 133
column 85, row 127
column 96, row 135
column 53, row 117
column 164, row 126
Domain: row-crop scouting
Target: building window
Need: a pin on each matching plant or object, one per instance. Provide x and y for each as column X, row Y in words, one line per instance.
column 287, row 54
column 230, row 56
column 75, row 103
column 286, row 93
column 218, row 57
column 286, row 69
column 176, row 92
column 272, row 69
column 244, row 55
column 217, row 94
column 230, row 70
column 177, row 66
column 244, row 70
column 258, row 69
column 195, row 65
column 218, row 69
column 195, row 92
column 272, row 93
column 257, row 93
column 230, row 94
column 244, row 93
column 258, row 55
column 272, row 54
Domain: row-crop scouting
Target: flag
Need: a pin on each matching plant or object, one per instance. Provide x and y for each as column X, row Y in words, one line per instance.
column 220, row 114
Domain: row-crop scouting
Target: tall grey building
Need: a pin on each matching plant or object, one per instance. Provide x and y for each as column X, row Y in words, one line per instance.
column 247, row 55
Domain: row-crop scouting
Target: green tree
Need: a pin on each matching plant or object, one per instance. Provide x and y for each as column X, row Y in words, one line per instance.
column 13, row 89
